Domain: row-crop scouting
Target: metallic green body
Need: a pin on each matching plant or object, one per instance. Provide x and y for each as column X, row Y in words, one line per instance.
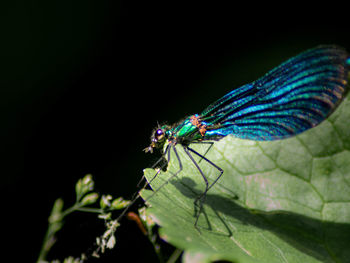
column 184, row 132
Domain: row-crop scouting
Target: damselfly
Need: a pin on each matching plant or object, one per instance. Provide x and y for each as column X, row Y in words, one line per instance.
column 290, row 99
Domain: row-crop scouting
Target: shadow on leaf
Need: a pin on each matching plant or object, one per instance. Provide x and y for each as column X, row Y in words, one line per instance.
column 325, row 241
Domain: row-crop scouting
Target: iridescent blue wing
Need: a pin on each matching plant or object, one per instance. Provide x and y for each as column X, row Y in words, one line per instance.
column 291, row 98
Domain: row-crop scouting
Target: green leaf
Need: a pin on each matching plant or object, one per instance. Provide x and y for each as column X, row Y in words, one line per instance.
column 281, row 201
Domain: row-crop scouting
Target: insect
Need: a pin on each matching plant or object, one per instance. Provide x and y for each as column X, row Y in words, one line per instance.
column 291, row 98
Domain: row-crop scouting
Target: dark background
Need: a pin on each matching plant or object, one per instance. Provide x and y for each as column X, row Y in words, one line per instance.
column 83, row 83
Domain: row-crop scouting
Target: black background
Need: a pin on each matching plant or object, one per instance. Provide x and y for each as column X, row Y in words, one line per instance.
column 83, row 83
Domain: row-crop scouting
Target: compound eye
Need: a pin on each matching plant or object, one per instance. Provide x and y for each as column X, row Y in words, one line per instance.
column 159, row 134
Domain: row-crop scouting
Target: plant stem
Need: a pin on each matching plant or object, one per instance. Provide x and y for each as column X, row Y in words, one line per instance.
column 176, row 254
column 55, row 223
column 48, row 242
column 89, row 210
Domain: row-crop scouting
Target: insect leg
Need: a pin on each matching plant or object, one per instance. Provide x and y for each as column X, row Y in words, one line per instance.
column 211, row 163
column 156, row 164
column 201, row 198
column 136, row 196
column 172, row 176
column 205, row 142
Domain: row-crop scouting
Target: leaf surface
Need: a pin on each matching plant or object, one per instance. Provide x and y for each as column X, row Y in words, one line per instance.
column 280, row 201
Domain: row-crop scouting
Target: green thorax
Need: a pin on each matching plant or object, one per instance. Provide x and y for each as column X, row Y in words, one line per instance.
column 184, row 132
